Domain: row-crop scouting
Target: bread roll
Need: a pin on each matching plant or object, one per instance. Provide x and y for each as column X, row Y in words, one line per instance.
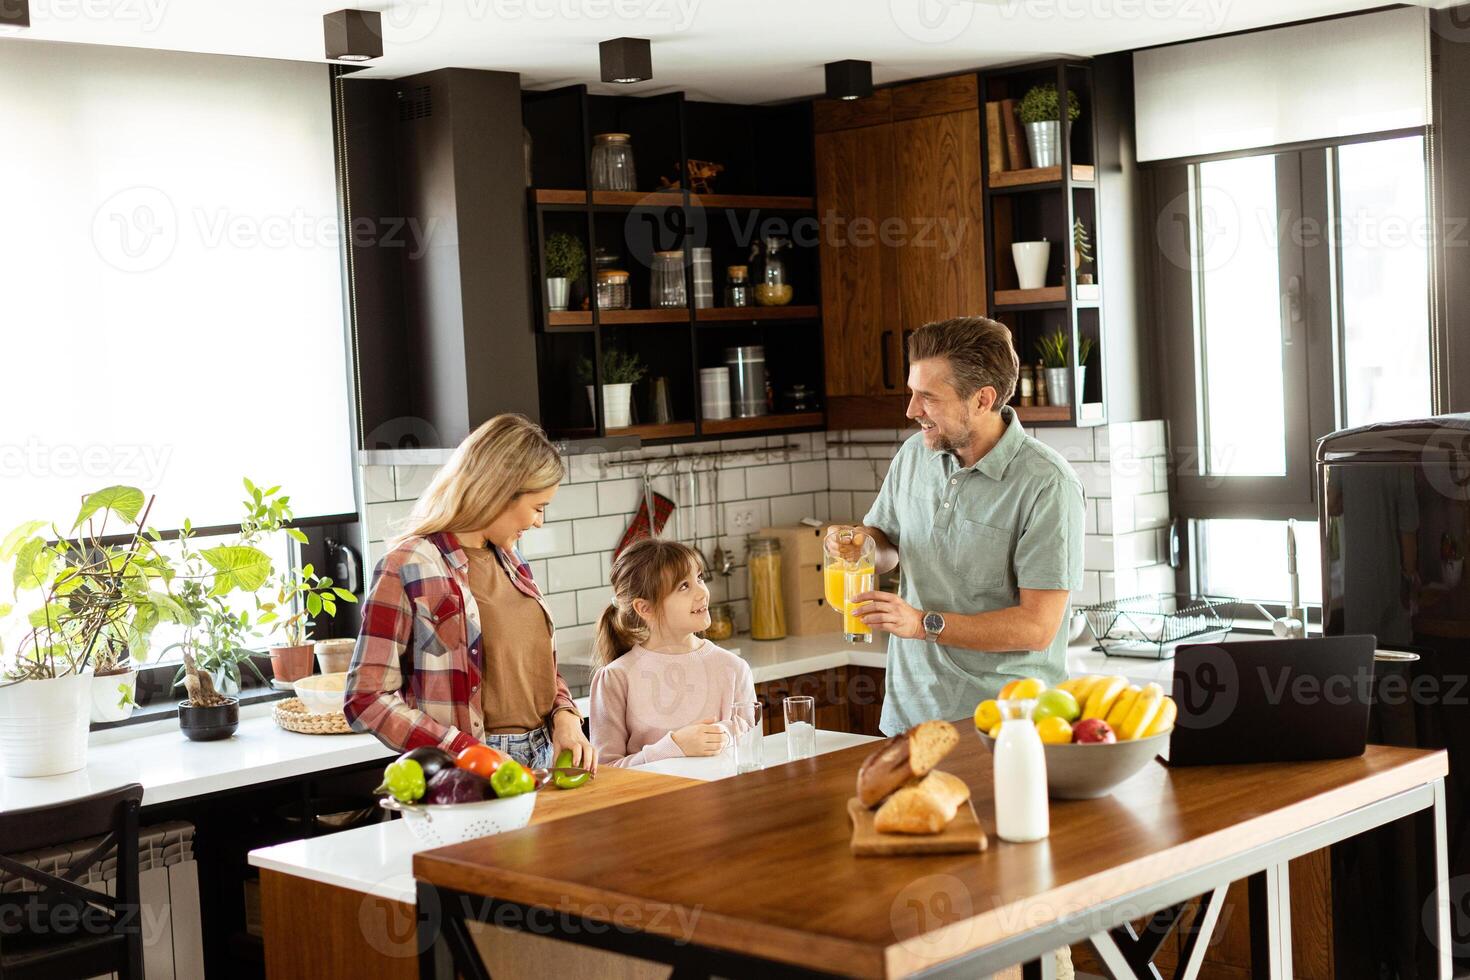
column 904, row 758
column 926, row 807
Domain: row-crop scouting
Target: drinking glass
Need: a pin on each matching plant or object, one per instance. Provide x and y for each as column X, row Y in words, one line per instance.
column 801, row 727
column 745, row 725
column 843, row 579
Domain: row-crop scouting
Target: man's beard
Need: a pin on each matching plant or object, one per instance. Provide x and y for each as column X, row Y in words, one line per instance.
column 948, row 445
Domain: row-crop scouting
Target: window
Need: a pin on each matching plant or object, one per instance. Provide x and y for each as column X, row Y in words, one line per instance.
column 1294, row 303
column 173, row 291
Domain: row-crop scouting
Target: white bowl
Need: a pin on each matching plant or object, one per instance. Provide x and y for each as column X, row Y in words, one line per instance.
column 322, row 694
column 453, row 823
column 1085, row 771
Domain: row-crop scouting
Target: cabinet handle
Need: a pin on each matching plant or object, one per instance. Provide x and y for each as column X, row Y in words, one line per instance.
column 883, row 339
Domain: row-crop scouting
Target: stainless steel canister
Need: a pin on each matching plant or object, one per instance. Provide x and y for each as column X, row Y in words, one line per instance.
column 747, row 366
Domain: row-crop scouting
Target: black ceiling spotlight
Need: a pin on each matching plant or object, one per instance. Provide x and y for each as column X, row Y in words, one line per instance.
column 849, row 79
column 626, row 59
column 15, row 13
column 351, row 35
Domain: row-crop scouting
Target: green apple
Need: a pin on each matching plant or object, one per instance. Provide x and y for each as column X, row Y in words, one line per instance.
column 1056, row 703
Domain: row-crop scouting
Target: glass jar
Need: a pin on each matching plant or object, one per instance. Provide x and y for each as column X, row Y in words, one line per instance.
column 721, row 623
column 773, row 289
column 737, row 286
column 667, row 287
column 612, row 163
column 612, row 290
column 767, row 610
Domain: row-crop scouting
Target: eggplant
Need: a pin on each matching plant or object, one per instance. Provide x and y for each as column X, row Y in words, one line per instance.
column 455, row 785
column 432, row 759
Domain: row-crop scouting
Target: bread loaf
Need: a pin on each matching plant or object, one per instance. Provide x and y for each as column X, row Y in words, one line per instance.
column 926, row 807
column 904, row 758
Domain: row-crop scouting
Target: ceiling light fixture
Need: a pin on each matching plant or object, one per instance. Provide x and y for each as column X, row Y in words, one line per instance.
column 351, row 35
column 15, row 13
column 848, row 80
column 626, row 60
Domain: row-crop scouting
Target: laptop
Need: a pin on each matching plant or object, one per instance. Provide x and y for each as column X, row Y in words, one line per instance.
column 1272, row 700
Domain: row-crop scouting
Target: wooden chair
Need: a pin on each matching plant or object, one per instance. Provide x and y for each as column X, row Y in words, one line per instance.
column 64, row 929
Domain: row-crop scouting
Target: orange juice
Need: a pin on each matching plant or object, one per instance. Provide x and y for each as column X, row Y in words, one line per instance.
column 840, row 582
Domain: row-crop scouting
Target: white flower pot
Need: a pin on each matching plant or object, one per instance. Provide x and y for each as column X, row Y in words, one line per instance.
column 43, row 725
column 105, row 696
column 1031, row 259
column 617, row 405
column 557, row 288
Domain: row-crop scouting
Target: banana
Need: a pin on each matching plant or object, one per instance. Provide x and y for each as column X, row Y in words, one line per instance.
column 1079, row 686
column 1119, row 712
column 1102, row 695
column 1145, row 710
column 1164, row 720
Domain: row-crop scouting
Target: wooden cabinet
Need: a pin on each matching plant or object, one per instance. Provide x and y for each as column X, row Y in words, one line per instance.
column 898, row 191
column 848, row 699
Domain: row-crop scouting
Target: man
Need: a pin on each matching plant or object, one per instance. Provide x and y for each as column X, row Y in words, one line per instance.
column 988, row 524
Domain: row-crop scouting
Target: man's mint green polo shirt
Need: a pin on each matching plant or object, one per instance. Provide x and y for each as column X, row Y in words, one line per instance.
column 968, row 538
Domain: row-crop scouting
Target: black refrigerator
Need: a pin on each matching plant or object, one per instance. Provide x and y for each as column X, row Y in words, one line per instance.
column 1394, row 519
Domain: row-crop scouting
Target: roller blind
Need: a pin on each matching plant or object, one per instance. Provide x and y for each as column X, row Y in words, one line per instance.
column 1324, row 80
column 172, row 299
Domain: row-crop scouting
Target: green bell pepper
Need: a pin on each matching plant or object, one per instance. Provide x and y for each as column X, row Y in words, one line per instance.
column 567, row 780
column 512, row 779
column 404, row 780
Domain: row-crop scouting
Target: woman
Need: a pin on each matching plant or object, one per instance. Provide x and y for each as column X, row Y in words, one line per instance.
column 457, row 645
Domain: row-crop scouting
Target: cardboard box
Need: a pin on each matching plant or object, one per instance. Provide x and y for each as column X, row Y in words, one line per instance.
column 807, row 612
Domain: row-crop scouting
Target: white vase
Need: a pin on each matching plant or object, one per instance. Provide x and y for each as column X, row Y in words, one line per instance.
column 105, row 696
column 617, row 406
column 43, row 725
column 1031, row 259
column 557, row 288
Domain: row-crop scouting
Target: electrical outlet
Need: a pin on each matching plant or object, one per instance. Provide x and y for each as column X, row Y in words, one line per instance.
column 742, row 518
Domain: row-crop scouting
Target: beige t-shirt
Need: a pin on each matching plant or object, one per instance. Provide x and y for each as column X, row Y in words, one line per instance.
column 518, row 685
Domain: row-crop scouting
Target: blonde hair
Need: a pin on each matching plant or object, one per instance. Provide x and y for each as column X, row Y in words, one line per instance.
column 504, row 458
column 648, row 569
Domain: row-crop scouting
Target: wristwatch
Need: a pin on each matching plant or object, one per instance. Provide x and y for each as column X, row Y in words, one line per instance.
column 933, row 626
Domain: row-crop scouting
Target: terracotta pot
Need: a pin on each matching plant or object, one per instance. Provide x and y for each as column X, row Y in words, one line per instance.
column 291, row 663
column 334, row 656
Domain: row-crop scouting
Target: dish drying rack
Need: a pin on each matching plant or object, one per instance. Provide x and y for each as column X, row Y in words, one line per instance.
column 1149, row 627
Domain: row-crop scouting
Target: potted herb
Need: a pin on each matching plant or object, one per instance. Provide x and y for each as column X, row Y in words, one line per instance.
column 1052, row 348
column 620, row 372
column 86, row 603
column 565, row 264
column 1040, row 110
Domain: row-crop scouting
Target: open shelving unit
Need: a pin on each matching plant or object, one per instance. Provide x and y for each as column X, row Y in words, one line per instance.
column 767, row 180
column 1043, row 203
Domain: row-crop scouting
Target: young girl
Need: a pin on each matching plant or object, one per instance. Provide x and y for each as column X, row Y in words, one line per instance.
column 661, row 691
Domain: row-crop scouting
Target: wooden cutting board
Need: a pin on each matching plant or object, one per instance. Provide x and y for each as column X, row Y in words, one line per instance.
column 963, row 835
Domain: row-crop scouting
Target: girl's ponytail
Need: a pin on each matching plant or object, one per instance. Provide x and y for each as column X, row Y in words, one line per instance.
column 618, row 631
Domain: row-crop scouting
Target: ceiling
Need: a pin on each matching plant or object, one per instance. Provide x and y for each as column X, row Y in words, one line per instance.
column 725, row 50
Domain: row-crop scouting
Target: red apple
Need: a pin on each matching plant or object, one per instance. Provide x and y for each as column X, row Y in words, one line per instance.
column 1093, row 731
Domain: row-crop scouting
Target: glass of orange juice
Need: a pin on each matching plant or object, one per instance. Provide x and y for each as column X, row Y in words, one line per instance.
column 842, row 579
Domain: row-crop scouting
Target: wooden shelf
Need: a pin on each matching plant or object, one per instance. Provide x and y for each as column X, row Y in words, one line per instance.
column 569, row 318
column 665, row 430
column 677, row 314
column 763, row 423
column 736, row 313
column 1042, row 413
column 769, row 202
column 661, row 199
column 1030, row 297
column 1082, row 173
column 551, row 196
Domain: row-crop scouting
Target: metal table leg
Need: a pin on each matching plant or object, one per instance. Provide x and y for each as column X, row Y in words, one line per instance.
column 1197, row 935
column 1270, row 898
column 1440, row 937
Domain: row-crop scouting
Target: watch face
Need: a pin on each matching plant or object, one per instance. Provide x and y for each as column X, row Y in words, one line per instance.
column 933, row 622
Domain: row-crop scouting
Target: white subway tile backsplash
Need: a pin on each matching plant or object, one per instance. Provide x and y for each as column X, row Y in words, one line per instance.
column 1097, row 553
column 538, row 570
column 1151, row 509
column 619, row 496
column 573, row 500
column 385, row 520
column 862, row 502
column 584, row 468
column 573, row 572
column 375, row 552
column 1089, row 594
column 790, row 510
column 598, row 533
column 563, row 606
column 1089, row 517
column 1161, row 473
column 839, row 506
column 852, row 474
column 377, row 484
column 548, row 540
column 732, row 484
column 410, row 482
column 1151, row 439
column 574, row 644
column 809, row 476
column 591, row 603
column 1097, row 478
column 768, row 481
column 1075, row 445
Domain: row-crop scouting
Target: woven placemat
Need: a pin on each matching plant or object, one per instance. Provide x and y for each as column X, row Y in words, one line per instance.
column 292, row 715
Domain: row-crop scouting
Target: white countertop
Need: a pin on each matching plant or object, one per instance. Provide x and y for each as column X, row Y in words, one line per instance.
column 378, row 860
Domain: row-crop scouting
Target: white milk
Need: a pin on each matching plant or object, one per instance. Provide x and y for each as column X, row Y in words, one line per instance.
column 1021, row 813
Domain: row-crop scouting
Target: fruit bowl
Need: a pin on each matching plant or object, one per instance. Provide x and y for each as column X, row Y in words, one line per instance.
column 1085, row 771
column 454, row 823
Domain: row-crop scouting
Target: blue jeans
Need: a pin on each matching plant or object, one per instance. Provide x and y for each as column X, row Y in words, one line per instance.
column 531, row 749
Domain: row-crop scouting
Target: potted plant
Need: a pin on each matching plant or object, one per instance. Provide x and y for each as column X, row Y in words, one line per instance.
column 301, row 596
column 565, row 264
column 86, row 602
column 620, row 372
column 1081, row 253
column 1052, row 348
column 1040, row 110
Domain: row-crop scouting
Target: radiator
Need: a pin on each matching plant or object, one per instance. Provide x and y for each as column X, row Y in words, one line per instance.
column 168, row 880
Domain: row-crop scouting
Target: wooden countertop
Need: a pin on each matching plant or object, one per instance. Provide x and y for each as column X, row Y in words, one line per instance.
column 780, row 883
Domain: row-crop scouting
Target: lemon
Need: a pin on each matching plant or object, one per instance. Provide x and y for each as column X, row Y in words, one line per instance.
column 1054, row 731
column 1022, row 689
column 987, row 715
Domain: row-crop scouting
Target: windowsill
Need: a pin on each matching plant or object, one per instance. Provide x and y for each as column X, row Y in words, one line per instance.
column 160, row 709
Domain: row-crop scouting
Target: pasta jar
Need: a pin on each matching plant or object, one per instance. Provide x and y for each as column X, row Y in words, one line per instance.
column 767, row 611
column 721, row 623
